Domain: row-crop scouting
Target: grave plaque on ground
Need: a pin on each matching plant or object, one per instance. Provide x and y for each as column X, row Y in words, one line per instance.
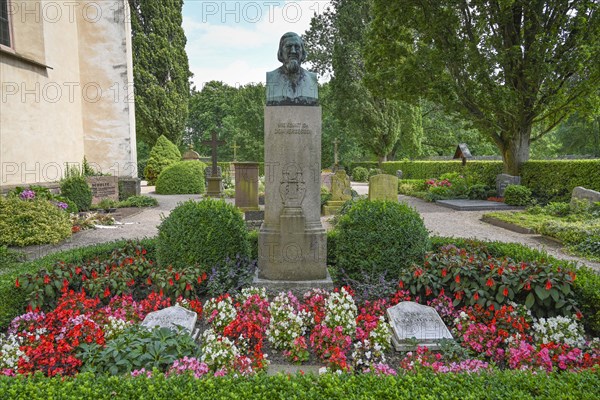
column 104, row 187
column 383, row 187
column 172, row 317
column 292, row 241
column 503, row 180
column 246, row 186
column 414, row 325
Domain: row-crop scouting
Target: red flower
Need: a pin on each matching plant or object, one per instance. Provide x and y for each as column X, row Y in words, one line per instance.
column 476, row 296
column 418, row 272
column 444, row 272
column 490, row 282
column 505, row 292
column 170, row 281
column 427, row 291
column 188, row 287
column 106, row 292
column 457, row 278
column 149, row 281
column 177, row 276
column 548, row 285
column 46, row 279
column 401, row 284
column 527, row 286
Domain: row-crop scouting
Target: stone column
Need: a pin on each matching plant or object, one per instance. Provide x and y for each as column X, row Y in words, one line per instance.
column 292, row 241
column 246, row 186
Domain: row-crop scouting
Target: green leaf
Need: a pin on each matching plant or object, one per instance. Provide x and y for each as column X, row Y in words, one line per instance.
column 541, row 292
column 555, row 295
column 530, row 300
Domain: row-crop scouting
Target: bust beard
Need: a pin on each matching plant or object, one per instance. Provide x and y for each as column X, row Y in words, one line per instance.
column 294, row 72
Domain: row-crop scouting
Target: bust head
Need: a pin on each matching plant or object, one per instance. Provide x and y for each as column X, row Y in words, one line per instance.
column 291, row 52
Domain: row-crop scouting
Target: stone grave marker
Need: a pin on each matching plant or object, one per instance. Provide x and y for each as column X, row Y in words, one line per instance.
column 104, row 187
column 326, row 179
column 214, row 186
column 341, row 191
column 190, row 154
column 292, row 241
column 170, row 317
column 246, row 186
column 581, row 193
column 383, row 187
column 503, row 180
column 415, row 323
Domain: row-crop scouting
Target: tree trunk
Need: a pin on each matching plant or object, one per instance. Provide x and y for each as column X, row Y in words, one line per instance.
column 382, row 159
column 515, row 150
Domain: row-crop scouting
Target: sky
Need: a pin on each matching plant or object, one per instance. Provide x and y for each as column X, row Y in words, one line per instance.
column 236, row 42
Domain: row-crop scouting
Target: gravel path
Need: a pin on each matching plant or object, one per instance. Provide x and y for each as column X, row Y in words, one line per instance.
column 439, row 220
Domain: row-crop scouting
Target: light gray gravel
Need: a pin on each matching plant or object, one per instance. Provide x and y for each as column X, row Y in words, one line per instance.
column 438, row 220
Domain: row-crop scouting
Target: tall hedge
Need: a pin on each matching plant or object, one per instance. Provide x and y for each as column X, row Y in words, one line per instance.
column 549, row 180
column 163, row 154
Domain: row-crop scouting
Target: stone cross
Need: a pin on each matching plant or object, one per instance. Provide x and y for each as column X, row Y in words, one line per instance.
column 235, row 147
column 335, row 151
column 214, row 143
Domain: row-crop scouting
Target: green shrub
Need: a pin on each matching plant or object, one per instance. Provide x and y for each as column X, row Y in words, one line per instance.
column 136, row 348
column 205, row 233
column 139, row 201
column 76, row 189
column 379, row 238
column 231, row 276
column 478, row 191
column 517, row 195
column 28, row 222
column 183, row 177
column 374, row 171
column 253, row 243
column 587, row 291
column 9, row 258
column 360, row 174
column 163, row 154
column 557, row 209
column 421, row 385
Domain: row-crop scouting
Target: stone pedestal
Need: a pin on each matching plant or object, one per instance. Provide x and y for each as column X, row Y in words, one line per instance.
column 246, row 186
column 214, row 185
column 503, row 180
column 129, row 187
column 292, row 242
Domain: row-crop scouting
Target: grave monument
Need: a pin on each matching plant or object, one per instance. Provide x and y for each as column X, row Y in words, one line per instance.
column 215, row 180
column 292, row 241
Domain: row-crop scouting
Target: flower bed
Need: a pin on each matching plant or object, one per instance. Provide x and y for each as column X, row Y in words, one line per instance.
column 83, row 317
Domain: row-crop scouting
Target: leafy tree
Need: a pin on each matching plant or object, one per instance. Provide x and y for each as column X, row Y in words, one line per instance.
column 160, row 69
column 506, row 65
column 247, row 121
column 336, row 42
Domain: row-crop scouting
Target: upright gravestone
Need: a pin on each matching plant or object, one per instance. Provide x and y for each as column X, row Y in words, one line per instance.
column 383, row 187
column 292, row 241
column 503, row 180
column 246, row 186
column 415, row 324
column 341, row 191
column 104, row 187
column 215, row 180
column 326, row 180
column 190, row 154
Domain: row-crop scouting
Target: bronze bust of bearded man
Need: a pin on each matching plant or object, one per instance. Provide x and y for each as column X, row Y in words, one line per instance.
column 290, row 84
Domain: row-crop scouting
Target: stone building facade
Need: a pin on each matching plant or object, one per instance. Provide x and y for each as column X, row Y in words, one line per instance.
column 66, row 90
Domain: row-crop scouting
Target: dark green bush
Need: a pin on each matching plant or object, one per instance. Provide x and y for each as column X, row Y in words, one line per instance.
column 379, row 238
column 557, row 209
column 478, row 191
column 163, row 154
column 183, row 177
column 421, row 385
column 205, row 233
column 136, row 348
column 375, row 171
column 587, row 291
column 76, row 189
column 139, row 201
column 28, row 222
column 517, row 195
column 231, row 276
column 360, row 174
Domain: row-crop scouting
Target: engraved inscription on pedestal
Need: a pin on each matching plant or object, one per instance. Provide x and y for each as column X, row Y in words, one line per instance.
column 172, row 317
column 415, row 322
